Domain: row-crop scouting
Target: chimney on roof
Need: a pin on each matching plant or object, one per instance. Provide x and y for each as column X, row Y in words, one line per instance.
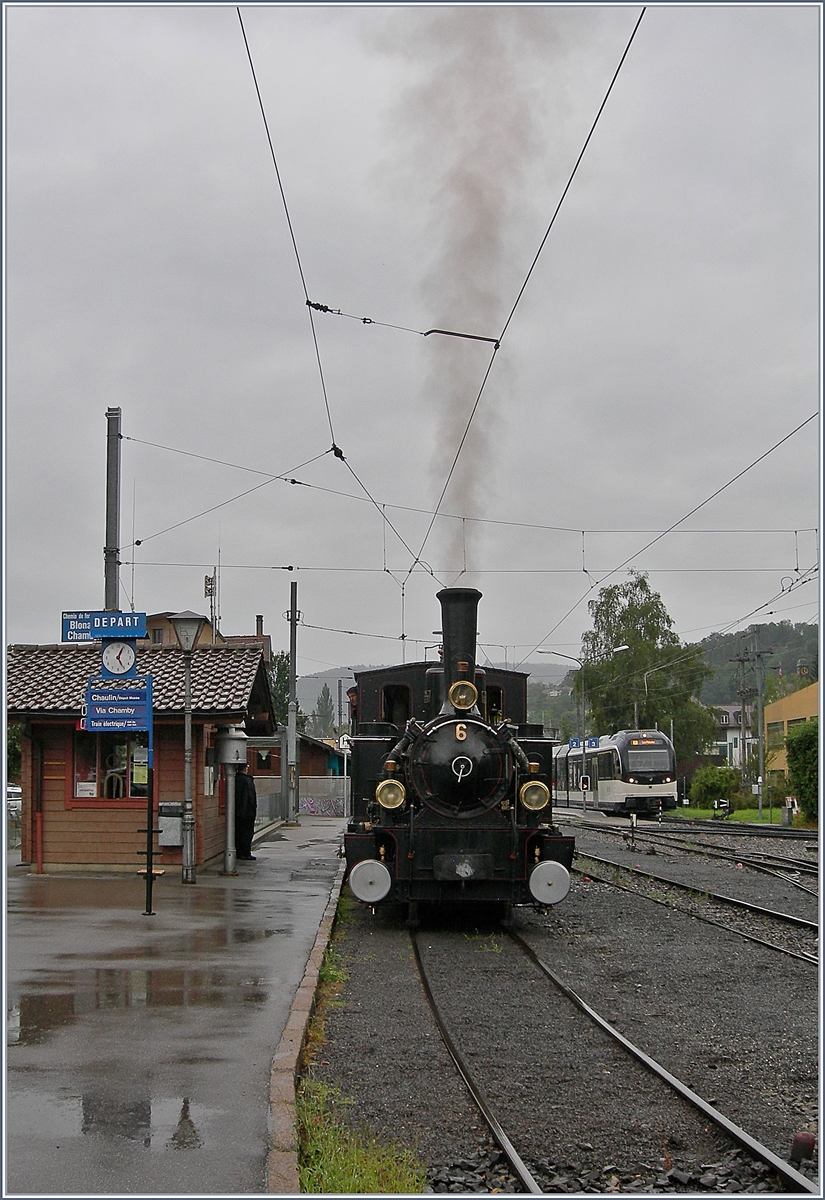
column 259, row 625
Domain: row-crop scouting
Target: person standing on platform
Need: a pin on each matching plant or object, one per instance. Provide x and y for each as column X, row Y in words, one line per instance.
column 246, row 808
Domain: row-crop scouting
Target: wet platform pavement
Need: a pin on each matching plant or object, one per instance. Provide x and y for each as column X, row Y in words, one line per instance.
column 139, row 1049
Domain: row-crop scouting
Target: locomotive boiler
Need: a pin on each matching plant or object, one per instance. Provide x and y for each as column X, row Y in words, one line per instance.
column 451, row 799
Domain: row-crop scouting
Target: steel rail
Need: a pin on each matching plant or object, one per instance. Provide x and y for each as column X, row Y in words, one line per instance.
column 789, row 918
column 512, row 1155
column 756, row 859
column 751, row 937
column 739, row 827
column 784, row 1170
column 680, row 841
column 727, row 855
column 697, row 825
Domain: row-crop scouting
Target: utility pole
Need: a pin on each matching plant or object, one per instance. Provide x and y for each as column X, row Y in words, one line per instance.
column 111, row 551
column 292, row 720
column 760, row 688
column 747, row 658
column 743, row 693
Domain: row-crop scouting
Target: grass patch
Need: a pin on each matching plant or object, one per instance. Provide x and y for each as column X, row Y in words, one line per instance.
column 332, row 1158
column 332, row 976
column 486, row 941
column 749, row 815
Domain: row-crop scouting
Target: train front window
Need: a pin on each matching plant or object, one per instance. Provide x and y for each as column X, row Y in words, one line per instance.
column 641, row 762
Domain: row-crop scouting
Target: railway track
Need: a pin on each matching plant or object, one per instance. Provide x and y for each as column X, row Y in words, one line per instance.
column 780, row 866
column 715, row 908
column 781, row 1175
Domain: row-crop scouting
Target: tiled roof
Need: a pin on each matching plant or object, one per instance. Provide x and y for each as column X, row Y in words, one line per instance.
column 53, row 678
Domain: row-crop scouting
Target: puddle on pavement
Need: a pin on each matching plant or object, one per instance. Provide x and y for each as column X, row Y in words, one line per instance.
column 63, row 997
column 161, row 1123
column 195, row 942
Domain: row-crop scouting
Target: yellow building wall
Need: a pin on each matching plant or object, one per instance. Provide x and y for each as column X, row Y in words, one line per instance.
column 799, row 706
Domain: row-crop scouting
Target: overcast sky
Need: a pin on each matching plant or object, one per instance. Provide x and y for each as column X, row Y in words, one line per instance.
column 666, row 339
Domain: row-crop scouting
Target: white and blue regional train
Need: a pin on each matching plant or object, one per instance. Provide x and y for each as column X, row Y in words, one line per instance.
column 630, row 771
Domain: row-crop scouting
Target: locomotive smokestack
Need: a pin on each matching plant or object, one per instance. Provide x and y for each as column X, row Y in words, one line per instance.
column 459, row 613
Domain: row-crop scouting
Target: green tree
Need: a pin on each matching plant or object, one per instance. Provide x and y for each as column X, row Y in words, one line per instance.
column 13, row 753
column 652, row 682
column 322, row 721
column 554, row 712
column 802, row 744
column 713, row 783
column 279, row 686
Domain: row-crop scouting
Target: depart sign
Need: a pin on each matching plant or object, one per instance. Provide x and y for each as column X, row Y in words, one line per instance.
column 89, row 626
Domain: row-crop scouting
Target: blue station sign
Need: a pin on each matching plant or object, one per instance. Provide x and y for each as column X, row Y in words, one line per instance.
column 111, row 708
column 89, row 626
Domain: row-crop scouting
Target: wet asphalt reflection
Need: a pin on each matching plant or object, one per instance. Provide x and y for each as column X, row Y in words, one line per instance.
column 139, row 1047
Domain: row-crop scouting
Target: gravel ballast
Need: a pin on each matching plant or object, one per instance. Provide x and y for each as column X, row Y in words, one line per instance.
column 736, row 1022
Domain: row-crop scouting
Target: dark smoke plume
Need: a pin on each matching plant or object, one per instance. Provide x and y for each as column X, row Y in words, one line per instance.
column 475, row 121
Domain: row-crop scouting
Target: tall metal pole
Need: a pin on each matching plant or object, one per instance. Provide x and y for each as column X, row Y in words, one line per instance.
column 292, row 719
column 584, row 745
column 760, row 684
column 188, row 869
column 111, row 550
column 230, row 852
column 150, row 873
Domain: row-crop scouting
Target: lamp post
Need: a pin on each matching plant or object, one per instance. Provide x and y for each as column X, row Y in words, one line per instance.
column 188, row 626
column 572, row 658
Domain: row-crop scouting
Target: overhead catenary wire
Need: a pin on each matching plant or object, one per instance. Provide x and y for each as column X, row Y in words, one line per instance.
column 447, row 516
column 336, row 312
column 290, row 227
column 386, row 570
column 223, row 503
column 670, row 529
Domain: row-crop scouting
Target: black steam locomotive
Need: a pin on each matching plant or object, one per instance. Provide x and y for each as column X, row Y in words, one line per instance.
column 451, row 794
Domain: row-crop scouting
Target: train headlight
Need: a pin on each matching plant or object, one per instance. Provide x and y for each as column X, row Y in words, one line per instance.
column 463, row 695
column 390, row 793
column 534, row 795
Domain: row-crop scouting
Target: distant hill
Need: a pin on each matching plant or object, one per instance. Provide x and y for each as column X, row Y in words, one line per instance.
column 789, row 644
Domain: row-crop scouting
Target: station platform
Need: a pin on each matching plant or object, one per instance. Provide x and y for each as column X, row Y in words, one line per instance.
column 156, row 1055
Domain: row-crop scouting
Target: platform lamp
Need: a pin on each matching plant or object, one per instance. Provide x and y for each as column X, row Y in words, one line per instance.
column 188, row 626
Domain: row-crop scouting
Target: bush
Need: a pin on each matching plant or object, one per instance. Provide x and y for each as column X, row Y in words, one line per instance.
column 713, row 783
column 802, row 744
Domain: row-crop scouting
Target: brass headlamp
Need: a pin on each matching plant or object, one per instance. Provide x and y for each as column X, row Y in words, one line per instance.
column 390, row 793
column 534, row 795
column 463, row 695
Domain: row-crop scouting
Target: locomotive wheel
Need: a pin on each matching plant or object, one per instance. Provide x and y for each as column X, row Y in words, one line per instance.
column 413, row 919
